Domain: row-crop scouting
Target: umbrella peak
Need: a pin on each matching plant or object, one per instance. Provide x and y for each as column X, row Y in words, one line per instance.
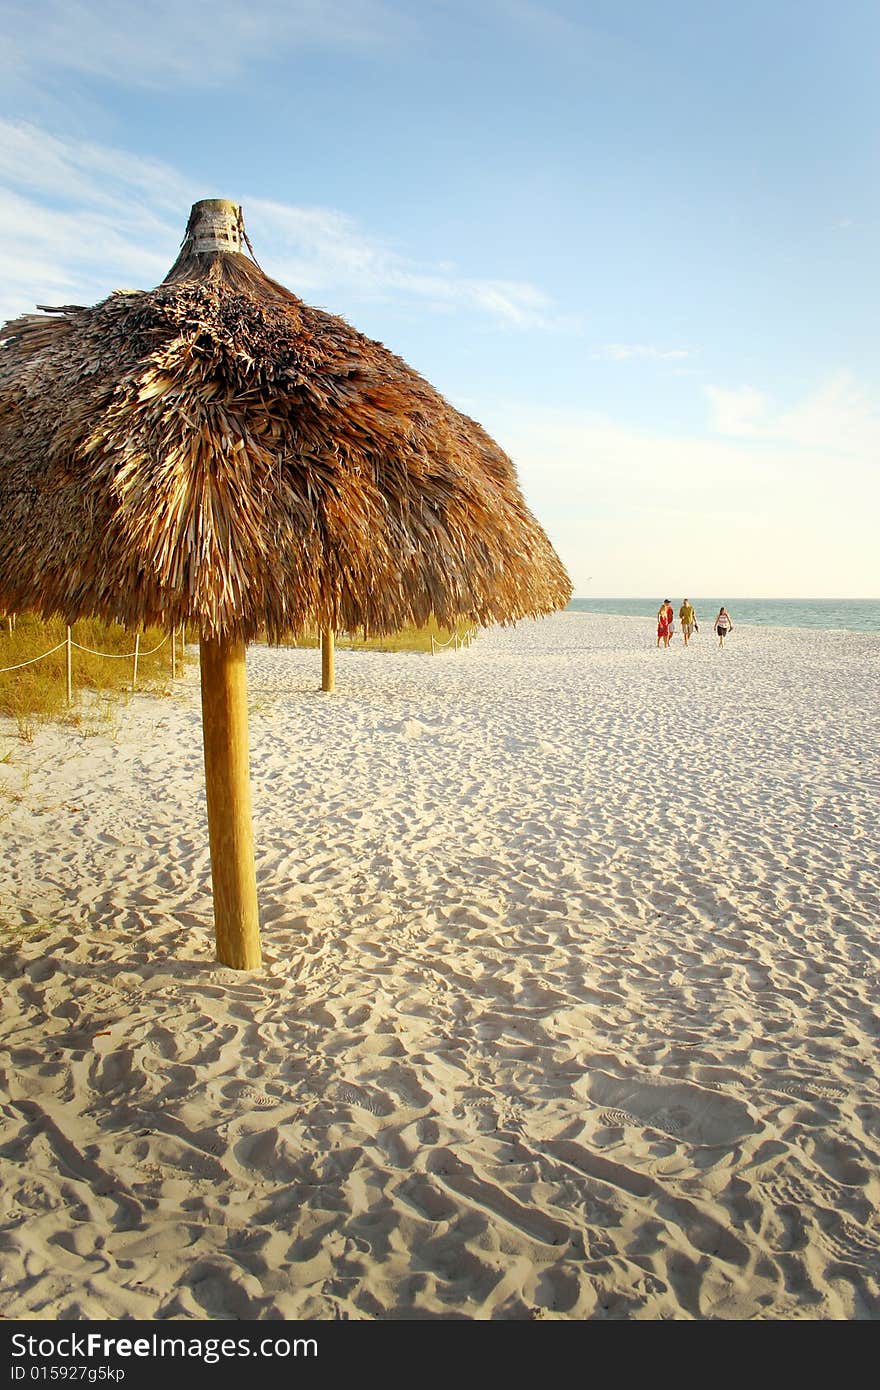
column 215, row 224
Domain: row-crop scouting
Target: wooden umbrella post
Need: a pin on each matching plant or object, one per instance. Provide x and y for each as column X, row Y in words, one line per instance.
column 227, row 784
column 328, row 660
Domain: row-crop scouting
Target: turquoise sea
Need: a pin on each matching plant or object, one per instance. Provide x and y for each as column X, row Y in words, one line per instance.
column 840, row 614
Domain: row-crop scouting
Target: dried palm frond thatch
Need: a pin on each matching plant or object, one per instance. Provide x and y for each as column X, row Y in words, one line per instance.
column 216, row 452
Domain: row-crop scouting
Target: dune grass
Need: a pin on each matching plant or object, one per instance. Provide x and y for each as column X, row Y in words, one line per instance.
column 36, row 693
column 408, row 639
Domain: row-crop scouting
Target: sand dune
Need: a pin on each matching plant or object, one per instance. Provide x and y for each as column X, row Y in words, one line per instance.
column 569, row 1007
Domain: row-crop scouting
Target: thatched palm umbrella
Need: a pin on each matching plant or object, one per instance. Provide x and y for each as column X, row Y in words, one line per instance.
column 215, row 452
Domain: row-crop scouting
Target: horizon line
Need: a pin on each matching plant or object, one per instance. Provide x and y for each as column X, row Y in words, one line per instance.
column 744, row 598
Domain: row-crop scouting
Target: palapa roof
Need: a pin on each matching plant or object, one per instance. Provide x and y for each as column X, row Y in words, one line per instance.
column 215, row 451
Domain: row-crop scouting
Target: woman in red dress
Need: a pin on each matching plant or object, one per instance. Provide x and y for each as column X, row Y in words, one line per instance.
column 664, row 623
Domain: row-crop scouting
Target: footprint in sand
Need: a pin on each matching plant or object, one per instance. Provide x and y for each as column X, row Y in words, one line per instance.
column 681, row 1109
column 618, row 1119
column 807, row 1090
column 356, row 1095
column 252, row 1096
column 673, row 1122
column 848, row 1242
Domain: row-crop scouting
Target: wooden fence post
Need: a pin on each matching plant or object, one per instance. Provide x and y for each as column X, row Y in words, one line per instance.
column 137, row 648
column 69, row 669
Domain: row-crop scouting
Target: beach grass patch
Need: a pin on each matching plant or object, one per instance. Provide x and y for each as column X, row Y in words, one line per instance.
column 35, row 691
column 407, row 639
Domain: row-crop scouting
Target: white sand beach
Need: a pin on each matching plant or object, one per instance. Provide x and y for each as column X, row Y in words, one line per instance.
column 569, row 1007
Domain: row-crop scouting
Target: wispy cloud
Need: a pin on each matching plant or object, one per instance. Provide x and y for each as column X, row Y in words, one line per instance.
column 840, row 418
column 79, row 219
column 568, row 32
column 737, row 411
column 629, row 352
column 162, row 42
column 543, row 20
column 35, row 161
column 317, row 249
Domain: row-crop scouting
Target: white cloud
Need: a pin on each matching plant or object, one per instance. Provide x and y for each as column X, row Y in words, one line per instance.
column 74, row 255
column 162, row 43
column 317, row 249
column 738, row 411
column 841, row 418
column 80, row 219
column 34, row 161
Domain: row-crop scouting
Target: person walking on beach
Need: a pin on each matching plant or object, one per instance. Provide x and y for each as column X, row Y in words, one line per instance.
column 664, row 623
column 723, row 625
column 688, row 619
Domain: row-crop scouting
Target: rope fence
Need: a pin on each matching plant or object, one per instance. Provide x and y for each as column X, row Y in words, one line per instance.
column 133, row 657
column 118, row 656
column 459, row 641
column 33, row 659
column 456, row 641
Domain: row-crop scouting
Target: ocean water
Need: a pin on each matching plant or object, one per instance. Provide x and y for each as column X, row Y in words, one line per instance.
column 831, row 614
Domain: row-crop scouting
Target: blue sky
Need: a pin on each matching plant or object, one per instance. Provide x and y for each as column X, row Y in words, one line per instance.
column 637, row 241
